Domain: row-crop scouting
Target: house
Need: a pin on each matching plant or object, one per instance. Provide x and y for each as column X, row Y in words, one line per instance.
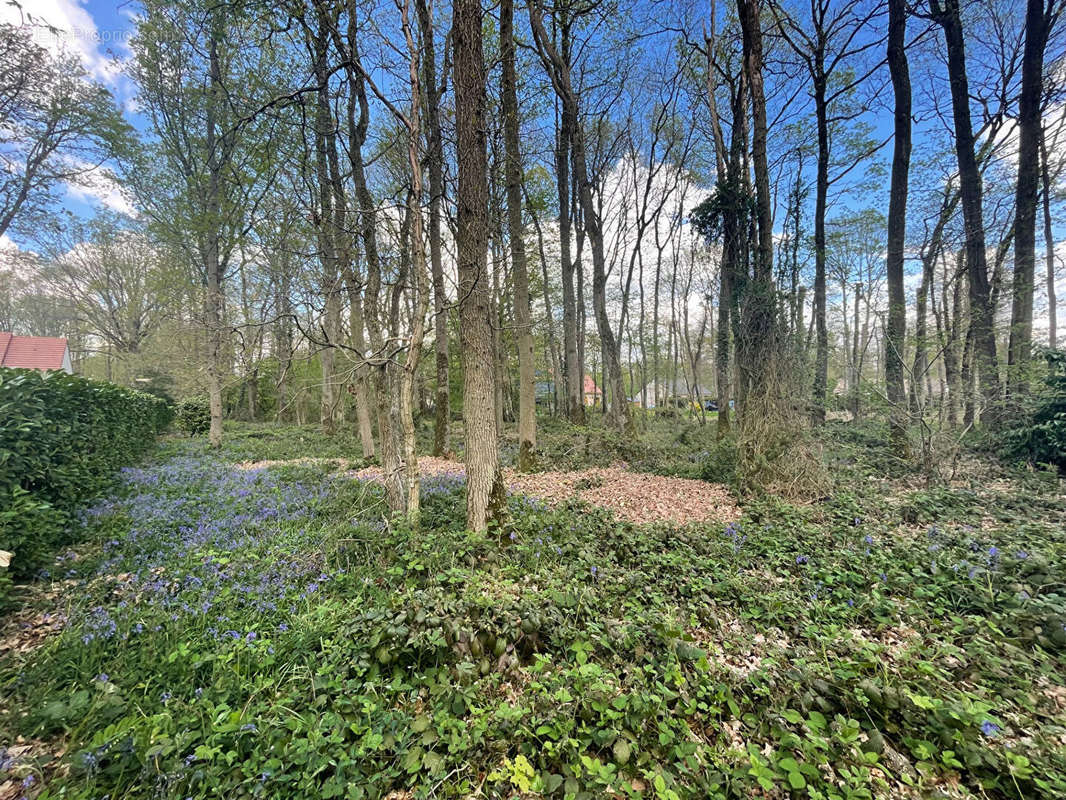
column 673, row 393
column 45, row 353
column 591, row 391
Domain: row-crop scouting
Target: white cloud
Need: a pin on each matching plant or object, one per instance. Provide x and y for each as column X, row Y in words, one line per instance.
column 97, row 188
column 66, row 26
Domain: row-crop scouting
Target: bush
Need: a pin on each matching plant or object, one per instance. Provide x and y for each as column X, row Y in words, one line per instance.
column 194, row 416
column 719, row 464
column 62, row 438
column 1042, row 435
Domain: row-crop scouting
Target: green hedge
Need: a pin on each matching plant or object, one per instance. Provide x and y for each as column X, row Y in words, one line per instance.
column 193, row 416
column 62, row 438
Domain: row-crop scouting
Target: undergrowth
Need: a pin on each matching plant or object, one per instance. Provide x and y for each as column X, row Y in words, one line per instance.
column 272, row 633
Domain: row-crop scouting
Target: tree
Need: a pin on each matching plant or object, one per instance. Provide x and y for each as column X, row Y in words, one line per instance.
column 896, row 329
column 435, row 167
column 119, row 281
column 200, row 80
column 58, row 128
column 1040, row 16
column 756, row 348
column 527, row 411
column 485, row 492
column 560, row 74
column 826, row 49
column 981, row 308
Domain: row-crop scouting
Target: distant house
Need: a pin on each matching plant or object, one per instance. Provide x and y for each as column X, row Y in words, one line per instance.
column 45, row 353
column 672, row 393
column 592, row 392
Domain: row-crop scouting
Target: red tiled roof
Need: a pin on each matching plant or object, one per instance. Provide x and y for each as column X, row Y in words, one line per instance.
column 32, row 352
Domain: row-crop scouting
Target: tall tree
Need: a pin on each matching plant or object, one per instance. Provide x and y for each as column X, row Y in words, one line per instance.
column 58, row 127
column 435, row 169
column 527, row 411
column 1039, row 18
column 198, row 180
column 946, row 14
column 756, row 348
column 826, row 49
column 485, row 492
column 896, row 329
column 561, row 78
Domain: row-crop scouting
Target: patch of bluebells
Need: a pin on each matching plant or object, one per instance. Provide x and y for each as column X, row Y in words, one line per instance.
column 206, row 543
column 442, row 484
column 733, row 533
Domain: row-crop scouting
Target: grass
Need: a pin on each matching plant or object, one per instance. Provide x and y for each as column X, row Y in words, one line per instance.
column 273, row 633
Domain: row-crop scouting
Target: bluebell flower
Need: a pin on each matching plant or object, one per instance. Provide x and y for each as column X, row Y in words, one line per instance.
column 801, row 559
column 989, row 728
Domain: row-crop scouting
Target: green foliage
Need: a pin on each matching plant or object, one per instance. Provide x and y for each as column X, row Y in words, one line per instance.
column 269, row 633
column 61, row 439
column 719, row 464
column 1041, row 438
column 194, row 416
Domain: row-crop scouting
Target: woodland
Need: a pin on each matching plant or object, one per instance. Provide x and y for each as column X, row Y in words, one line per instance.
column 561, row 399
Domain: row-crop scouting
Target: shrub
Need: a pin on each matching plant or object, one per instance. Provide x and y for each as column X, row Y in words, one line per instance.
column 62, row 437
column 194, row 416
column 719, row 463
column 1042, row 436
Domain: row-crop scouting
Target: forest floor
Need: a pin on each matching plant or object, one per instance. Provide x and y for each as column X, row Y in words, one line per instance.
column 250, row 623
column 639, row 497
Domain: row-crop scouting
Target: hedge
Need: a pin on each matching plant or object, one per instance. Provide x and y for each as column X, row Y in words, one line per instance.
column 62, row 438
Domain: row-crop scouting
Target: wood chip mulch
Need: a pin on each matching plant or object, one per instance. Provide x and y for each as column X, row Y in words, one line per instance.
column 638, row 497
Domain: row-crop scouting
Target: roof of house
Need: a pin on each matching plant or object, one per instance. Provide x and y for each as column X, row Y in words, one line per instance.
column 32, row 352
column 590, row 386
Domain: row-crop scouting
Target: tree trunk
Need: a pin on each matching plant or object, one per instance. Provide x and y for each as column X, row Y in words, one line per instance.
column 896, row 329
column 821, row 193
column 527, row 410
column 559, row 70
column 758, row 321
column 1049, row 245
column 981, row 310
column 212, row 257
column 420, row 284
column 384, row 389
column 435, row 169
column 572, row 378
column 1026, row 197
column 485, row 493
